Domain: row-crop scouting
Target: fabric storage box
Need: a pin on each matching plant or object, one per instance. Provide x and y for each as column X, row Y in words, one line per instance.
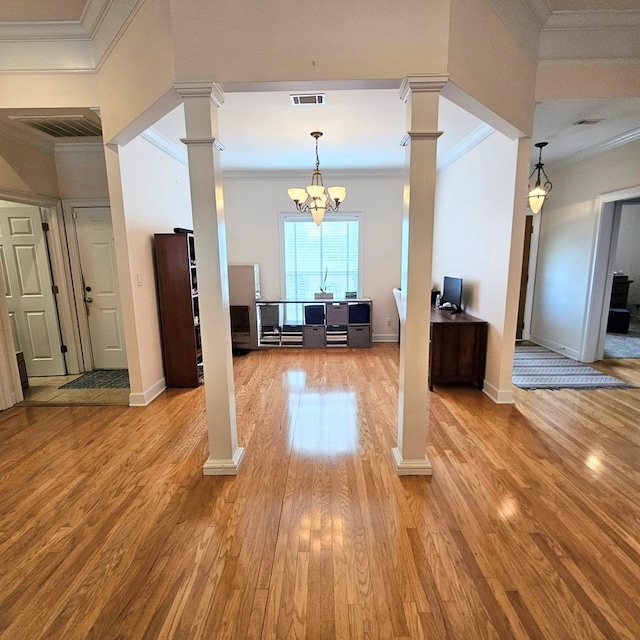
column 359, row 336
column 337, row 313
column 314, row 336
column 314, row 314
column 359, row 313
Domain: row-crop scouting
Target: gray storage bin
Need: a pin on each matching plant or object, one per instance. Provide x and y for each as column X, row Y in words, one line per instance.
column 337, row 313
column 359, row 336
column 314, row 336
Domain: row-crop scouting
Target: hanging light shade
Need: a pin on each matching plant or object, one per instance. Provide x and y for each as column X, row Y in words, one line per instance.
column 315, row 199
column 540, row 190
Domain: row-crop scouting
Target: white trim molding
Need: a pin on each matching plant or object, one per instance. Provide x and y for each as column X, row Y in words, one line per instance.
column 464, row 146
column 224, row 467
column 148, row 396
column 601, row 147
column 167, row 146
column 420, row 467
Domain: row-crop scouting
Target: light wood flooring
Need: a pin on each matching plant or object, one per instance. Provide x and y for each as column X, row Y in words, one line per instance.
column 528, row 529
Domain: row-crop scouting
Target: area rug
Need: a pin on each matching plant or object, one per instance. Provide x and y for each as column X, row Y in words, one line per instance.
column 100, row 379
column 535, row 367
column 624, row 345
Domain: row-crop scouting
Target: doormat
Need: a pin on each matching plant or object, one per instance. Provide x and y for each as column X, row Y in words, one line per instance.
column 100, row 379
column 535, row 367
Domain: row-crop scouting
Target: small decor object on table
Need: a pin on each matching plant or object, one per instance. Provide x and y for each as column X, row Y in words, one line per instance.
column 324, row 294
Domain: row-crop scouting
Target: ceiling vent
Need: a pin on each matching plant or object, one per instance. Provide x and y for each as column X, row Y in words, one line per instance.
column 308, row 98
column 587, row 121
column 73, row 126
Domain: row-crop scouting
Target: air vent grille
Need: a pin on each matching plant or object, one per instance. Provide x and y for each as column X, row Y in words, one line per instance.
column 75, row 126
column 308, row 98
column 588, row 121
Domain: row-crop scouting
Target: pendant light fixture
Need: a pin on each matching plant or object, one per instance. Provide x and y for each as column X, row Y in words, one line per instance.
column 539, row 192
column 315, row 199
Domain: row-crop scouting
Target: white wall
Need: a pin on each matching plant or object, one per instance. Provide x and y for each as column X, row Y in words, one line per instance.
column 628, row 251
column 473, row 227
column 252, row 208
column 568, row 230
column 27, row 168
column 81, row 171
column 155, row 197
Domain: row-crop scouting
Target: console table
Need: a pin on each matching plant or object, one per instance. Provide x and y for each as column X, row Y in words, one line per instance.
column 458, row 348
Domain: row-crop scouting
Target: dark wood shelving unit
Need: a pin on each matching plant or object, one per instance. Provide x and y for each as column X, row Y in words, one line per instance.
column 177, row 280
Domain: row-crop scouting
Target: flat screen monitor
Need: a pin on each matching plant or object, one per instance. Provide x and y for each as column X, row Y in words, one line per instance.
column 452, row 291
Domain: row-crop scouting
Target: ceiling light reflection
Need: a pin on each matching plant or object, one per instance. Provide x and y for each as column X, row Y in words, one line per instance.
column 594, row 462
column 324, row 423
column 508, row 510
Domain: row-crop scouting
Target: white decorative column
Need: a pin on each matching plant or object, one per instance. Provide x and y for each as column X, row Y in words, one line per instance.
column 201, row 102
column 421, row 93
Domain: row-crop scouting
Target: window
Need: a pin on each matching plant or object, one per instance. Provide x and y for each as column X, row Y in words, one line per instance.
column 327, row 256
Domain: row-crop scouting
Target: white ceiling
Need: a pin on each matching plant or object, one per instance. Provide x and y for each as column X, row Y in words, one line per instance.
column 362, row 129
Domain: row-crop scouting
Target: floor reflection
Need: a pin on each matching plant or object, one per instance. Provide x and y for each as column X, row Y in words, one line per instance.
column 321, row 422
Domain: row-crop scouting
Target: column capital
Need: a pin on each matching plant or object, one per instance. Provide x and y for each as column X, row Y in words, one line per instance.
column 208, row 89
column 422, row 83
column 419, row 135
column 204, row 142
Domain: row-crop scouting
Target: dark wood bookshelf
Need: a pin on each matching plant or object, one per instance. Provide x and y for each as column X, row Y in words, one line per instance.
column 177, row 279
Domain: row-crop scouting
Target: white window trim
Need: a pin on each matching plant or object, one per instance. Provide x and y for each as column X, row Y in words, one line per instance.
column 343, row 215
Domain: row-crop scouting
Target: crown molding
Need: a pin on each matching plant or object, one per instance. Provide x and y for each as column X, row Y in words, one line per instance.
column 83, row 29
column 464, row 146
column 602, row 147
column 592, row 20
column 163, row 143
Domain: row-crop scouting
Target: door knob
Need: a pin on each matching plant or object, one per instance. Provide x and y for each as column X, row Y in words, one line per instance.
column 88, row 299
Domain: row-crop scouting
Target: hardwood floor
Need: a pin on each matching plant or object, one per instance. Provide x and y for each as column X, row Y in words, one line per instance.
column 529, row 527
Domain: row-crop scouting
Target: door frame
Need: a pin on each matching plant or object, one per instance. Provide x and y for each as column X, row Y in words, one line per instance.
column 75, row 269
column 599, row 291
column 51, row 212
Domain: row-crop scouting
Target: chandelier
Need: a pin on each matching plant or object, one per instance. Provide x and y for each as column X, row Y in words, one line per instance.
column 315, row 199
column 539, row 192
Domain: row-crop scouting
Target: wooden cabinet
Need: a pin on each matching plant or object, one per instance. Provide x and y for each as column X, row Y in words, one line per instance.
column 178, row 300
column 458, row 348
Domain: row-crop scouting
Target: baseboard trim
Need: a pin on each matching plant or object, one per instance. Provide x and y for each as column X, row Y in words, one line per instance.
column 557, row 347
column 224, row 467
column 497, row 395
column 147, row 397
column 417, row 467
column 384, row 337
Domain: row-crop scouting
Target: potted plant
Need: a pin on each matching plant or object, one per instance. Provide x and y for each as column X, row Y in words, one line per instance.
column 324, row 294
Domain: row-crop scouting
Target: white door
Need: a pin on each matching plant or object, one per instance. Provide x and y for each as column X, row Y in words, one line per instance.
column 100, row 282
column 32, row 308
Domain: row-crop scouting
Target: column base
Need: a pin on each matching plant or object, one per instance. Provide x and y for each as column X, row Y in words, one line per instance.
column 417, row 467
column 224, row 467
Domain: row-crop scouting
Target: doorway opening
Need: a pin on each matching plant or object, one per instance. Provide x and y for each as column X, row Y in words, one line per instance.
column 44, row 317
